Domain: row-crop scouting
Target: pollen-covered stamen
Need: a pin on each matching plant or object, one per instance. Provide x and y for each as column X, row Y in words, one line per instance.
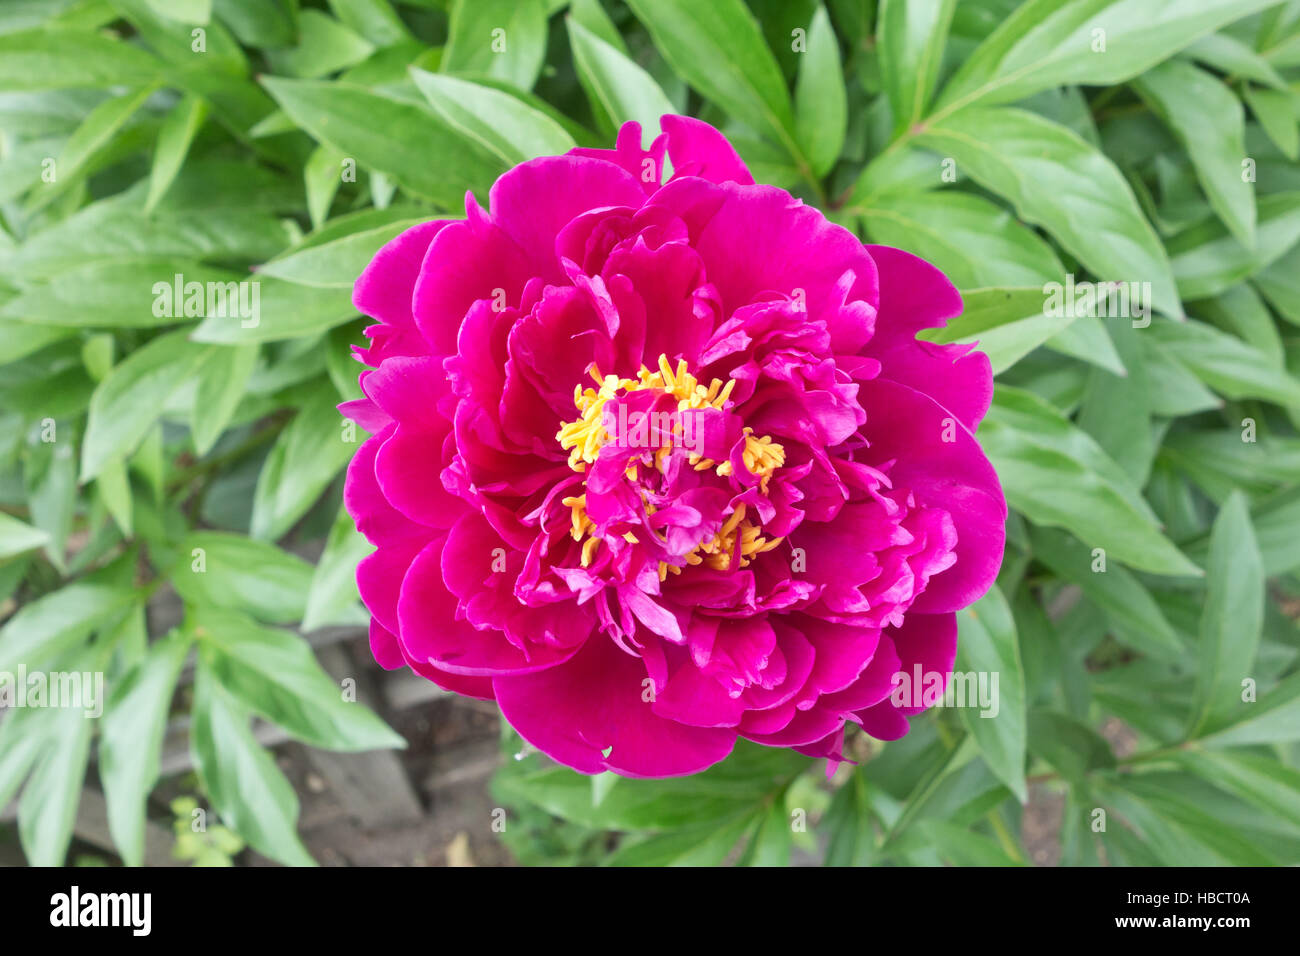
column 738, row 539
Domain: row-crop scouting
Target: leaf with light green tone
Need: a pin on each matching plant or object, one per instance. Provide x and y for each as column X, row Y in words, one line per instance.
column 1008, row 324
column 976, row 243
column 1048, row 43
column 50, row 479
column 1242, row 313
column 401, row 139
column 114, row 489
column 618, row 88
column 322, row 176
column 131, row 736
column 376, row 20
column 98, row 129
column 1232, row 617
column 735, row 786
column 68, row 59
column 1232, row 57
column 281, row 310
column 911, row 36
column 505, row 126
column 47, row 808
column 987, row 645
column 1276, row 112
column 1208, row 120
column 174, row 139
column 593, row 18
column 79, row 250
column 247, row 789
column 1279, row 283
column 304, row 460
column 332, row 597
column 324, row 46
column 1224, row 362
column 820, row 102
column 1035, row 418
column 1116, row 409
column 1207, row 260
column 1112, row 588
column 337, row 263
column 504, row 38
column 1265, row 783
column 131, row 397
column 1072, row 747
column 708, row 845
column 275, row 674
column 1055, row 475
column 719, row 49
column 242, row 574
column 22, row 738
column 1273, row 718
column 17, row 537
column 770, row 845
column 222, row 379
column 1058, row 181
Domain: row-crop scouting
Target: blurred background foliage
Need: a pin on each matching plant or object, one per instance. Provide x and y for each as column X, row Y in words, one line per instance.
column 1148, row 714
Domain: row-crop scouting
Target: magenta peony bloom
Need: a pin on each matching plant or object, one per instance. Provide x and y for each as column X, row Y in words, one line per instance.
column 659, row 465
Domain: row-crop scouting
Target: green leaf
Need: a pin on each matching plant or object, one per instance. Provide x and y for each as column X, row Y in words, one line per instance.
column 98, row 129
column 324, row 46
column 976, row 243
column 222, row 379
column 271, row 309
column 718, row 48
column 1008, row 324
column 1257, row 780
column 502, row 124
column 174, row 139
column 1276, row 112
column 19, row 538
column 1056, row 476
column 1210, row 123
column 51, row 624
column 1232, row 619
column 1232, row 57
column 987, row 646
column 503, row 38
column 275, row 674
column 1274, row 718
column 128, row 401
column 1115, row 590
column 688, row 846
column 304, row 460
column 1073, row 748
column 47, row 809
column 911, row 35
column 333, row 596
column 247, row 789
column 239, row 573
column 771, row 843
column 1207, row 260
column 130, row 737
column 1048, row 43
column 337, row 263
column 1062, row 183
column 619, row 89
column 401, row 139
column 1224, row 362
column 67, row 59
column 820, row 101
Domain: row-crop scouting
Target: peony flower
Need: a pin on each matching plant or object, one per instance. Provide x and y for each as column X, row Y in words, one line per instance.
column 659, row 465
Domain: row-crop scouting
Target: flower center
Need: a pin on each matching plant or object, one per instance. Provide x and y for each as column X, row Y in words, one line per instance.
column 651, row 413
